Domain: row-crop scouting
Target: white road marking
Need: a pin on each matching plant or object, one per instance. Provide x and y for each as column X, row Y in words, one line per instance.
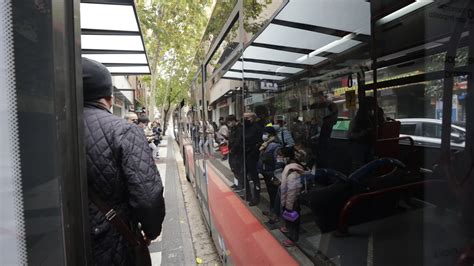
column 155, row 258
column 370, row 251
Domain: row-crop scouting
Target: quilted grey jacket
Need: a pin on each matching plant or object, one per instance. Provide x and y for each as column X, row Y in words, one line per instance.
column 121, row 170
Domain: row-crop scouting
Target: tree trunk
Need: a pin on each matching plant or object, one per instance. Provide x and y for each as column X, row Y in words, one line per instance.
column 166, row 111
column 165, row 122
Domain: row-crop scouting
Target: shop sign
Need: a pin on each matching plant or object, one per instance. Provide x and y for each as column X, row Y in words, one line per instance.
column 268, row 86
column 338, row 92
column 267, row 96
column 256, row 98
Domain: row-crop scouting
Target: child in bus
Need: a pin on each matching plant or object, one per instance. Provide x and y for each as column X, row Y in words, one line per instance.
column 290, row 189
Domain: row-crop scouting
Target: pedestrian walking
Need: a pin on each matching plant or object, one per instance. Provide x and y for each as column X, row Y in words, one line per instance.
column 223, row 137
column 236, row 152
column 209, row 144
column 143, row 122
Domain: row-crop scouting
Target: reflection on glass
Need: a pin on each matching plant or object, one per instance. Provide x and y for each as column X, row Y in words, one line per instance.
column 257, row 14
column 219, row 17
column 370, row 174
column 225, row 50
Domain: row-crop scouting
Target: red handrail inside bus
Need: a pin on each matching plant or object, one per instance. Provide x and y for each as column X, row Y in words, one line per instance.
column 412, row 142
column 344, row 217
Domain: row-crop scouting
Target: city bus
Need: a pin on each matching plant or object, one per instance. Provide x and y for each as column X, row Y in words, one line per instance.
column 314, row 64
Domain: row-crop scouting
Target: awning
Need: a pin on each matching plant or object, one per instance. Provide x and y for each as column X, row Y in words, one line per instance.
column 111, row 35
column 300, row 37
column 123, row 88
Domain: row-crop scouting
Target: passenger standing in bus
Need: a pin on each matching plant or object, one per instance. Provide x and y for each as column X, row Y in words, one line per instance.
column 122, row 178
column 329, row 112
column 362, row 132
column 223, row 135
column 253, row 139
column 236, row 151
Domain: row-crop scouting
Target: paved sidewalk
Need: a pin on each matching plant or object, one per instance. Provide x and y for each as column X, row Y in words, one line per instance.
column 184, row 239
column 174, row 246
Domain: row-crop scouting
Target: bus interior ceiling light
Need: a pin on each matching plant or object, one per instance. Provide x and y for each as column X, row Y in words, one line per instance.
column 327, row 47
column 404, row 11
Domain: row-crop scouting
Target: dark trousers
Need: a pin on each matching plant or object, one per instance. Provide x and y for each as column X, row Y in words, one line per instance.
column 323, row 153
column 237, row 168
column 252, row 180
column 271, row 189
column 294, row 227
column 277, row 205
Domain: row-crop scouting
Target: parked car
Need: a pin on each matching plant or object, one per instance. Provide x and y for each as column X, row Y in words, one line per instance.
column 427, row 132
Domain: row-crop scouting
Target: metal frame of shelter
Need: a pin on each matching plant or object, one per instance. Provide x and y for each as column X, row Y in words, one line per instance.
column 116, row 39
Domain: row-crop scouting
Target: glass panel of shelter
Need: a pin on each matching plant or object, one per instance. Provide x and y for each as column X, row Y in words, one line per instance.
column 305, row 77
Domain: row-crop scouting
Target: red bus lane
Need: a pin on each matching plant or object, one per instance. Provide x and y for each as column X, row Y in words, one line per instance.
column 246, row 240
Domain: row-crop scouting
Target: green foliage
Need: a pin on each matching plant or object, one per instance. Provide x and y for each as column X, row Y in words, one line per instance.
column 436, row 62
column 222, row 12
column 178, row 34
column 172, row 32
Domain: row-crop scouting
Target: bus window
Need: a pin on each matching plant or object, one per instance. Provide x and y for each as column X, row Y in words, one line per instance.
column 337, row 97
column 408, row 129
